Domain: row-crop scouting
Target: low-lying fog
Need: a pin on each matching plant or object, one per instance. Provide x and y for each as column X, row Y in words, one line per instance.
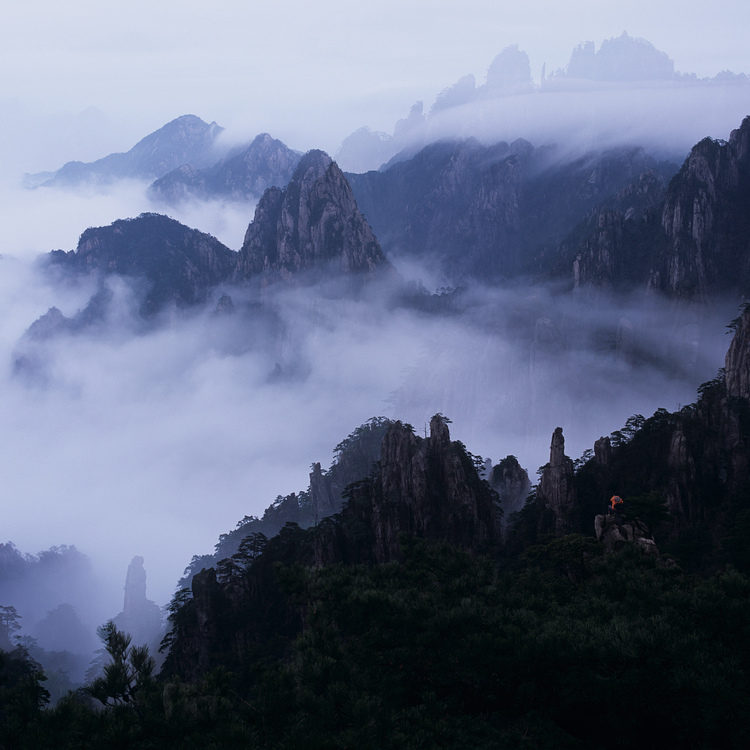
column 154, row 444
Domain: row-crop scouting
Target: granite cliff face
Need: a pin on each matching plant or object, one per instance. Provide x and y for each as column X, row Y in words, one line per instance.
column 490, row 212
column 511, row 482
column 456, row 204
column 706, row 221
column 177, row 264
column 241, row 175
column 685, row 471
column 737, row 361
column 422, row 487
column 556, row 489
column 688, row 240
column 140, row 617
column 313, row 227
column 610, row 248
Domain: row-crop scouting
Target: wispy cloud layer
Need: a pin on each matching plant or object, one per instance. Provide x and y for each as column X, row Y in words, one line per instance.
column 155, row 443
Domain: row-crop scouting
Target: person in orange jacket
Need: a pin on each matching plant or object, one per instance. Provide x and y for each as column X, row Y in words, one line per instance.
column 616, row 506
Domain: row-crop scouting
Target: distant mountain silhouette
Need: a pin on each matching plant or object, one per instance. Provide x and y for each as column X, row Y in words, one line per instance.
column 185, row 140
column 244, row 173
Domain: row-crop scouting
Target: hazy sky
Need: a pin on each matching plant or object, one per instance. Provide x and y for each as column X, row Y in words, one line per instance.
column 138, row 437
column 308, row 72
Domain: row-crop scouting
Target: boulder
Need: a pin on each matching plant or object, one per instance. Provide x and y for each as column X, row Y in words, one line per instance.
column 615, row 536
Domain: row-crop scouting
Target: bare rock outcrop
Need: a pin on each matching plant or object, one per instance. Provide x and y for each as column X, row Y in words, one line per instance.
column 322, row 498
column 706, row 218
column 603, row 451
column 312, row 225
column 615, row 536
column 140, row 617
column 242, row 174
column 511, row 482
column 556, row 487
column 425, row 487
column 737, row 361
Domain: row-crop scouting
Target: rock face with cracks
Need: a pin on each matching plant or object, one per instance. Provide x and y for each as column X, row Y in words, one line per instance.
column 614, row 536
column 557, row 487
column 312, row 226
column 427, row 488
column 511, row 482
column 140, row 617
column 242, row 174
column 706, row 218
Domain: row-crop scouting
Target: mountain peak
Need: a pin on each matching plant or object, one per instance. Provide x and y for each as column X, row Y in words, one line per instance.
column 186, row 139
column 313, row 165
column 314, row 222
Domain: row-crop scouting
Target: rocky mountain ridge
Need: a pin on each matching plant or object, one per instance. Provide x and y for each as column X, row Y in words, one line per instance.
column 688, row 242
column 677, row 472
column 613, row 219
column 706, row 218
column 313, row 228
column 243, row 174
column 179, row 265
column 185, row 140
column 682, row 472
column 428, row 488
column 492, row 213
column 324, row 497
column 468, row 105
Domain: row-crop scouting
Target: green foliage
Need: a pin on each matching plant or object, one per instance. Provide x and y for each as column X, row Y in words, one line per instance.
column 713, row 387
column 373, row 428
column 692, row 547
column 650, row 508
column 736, row 542
column 128, row 672
column 442, row 642
column 570, row 555
column 22, row 695
column 622, row 437
column 585, row 457
column 9, row 626
column 443, row 649
column 180, row 611
column 732, row 326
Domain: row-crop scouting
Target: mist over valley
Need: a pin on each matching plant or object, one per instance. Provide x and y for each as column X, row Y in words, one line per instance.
column 191, row 326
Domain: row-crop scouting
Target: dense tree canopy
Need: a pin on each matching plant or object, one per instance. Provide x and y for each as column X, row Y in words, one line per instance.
column 445, row 649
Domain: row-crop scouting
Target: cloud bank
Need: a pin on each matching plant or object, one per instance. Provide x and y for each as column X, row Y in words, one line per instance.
column 154, row 443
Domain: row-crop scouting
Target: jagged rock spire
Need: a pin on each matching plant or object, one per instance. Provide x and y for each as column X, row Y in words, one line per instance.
column 135, row 587
column 140, row 617
column 314, row 222
column 511, row 482
column 556, row 486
